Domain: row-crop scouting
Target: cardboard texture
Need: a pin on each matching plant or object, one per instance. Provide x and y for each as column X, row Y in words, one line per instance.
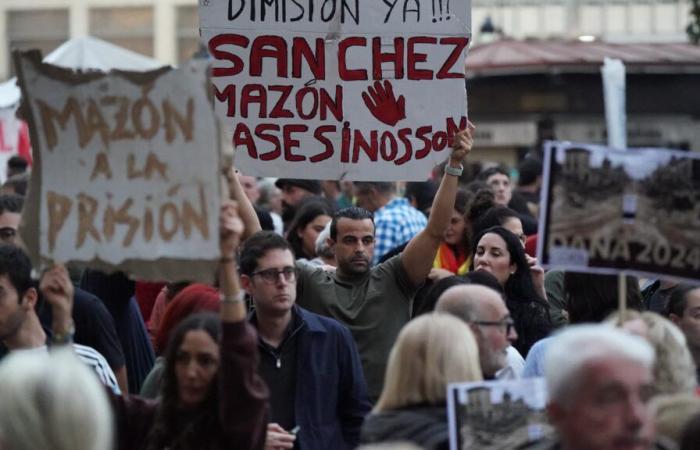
column 339, row 89
column 126, row 170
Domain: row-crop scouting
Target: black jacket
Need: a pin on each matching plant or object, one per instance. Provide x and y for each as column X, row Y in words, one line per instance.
column 426, row 426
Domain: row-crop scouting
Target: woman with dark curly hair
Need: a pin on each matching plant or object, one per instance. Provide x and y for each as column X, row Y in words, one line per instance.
column 212, row 397
column 500, row 252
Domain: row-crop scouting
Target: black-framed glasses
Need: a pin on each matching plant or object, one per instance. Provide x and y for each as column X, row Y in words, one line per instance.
column 272, row 275
column 7, row 233
column 508, row 324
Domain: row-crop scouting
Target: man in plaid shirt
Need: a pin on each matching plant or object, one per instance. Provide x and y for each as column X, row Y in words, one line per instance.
column 395, row 220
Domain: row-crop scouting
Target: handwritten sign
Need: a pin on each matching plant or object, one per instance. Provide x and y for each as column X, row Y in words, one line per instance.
column 606, row 210
column 126, row 168
column 339, row 89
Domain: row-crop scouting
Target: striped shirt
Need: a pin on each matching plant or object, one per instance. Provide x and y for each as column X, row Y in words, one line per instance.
column 94, row 360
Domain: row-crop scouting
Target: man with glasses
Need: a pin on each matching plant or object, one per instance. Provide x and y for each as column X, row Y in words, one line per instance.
column 484, row 310
column 318, row 395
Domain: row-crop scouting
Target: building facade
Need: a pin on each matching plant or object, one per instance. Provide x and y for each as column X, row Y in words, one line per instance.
column 167, row 29
column 164, row 29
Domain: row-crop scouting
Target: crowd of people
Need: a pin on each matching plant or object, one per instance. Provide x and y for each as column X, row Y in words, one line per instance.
column 340, row 314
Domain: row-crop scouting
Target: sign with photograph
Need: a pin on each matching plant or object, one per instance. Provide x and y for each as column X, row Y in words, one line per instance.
column 497, row 415
column 339, row 89
column 126, row 169
column 605, row 210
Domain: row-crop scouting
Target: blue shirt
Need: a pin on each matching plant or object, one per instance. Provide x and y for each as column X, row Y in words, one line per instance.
column 395, row 223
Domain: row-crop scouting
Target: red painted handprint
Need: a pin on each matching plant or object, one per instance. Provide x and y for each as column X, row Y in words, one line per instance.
column 383, row 105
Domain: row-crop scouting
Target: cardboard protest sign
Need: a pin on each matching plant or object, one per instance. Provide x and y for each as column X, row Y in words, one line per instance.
column 339, row 89
column 497, row 415
column 126, row 172
column 605, row 210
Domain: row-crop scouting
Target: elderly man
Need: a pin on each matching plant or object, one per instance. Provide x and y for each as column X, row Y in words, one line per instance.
column 600, row 382
column 484, row 310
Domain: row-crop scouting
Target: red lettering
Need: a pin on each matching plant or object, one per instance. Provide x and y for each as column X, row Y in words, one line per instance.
column 279, row 110
column 460, row 44
column 452, row 127
column 421, row 134
column 327, row 143
column 316, row 62
column 260, row 130
column 393, row 146
column 345, row 147
column 228, row 96
column 378, row 58
column 254, row 93
column 334, row 106
column 301, row 94
column 413, row 58
column 290, row 143
column 439, row 141
column 242, row 136
column 371, row 148
column 403, row 137
column 278, row 51
column 236, row 62
column 343, row 71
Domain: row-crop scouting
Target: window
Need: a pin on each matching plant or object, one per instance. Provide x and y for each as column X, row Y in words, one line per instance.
column 187, row 32
column 43, row 29
column 130, row 28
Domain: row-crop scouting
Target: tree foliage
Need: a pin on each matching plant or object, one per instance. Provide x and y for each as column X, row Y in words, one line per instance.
column 693, row 28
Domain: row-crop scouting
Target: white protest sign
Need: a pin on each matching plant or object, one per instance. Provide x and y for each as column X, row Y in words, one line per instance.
column 339, row 89
column 127, row 168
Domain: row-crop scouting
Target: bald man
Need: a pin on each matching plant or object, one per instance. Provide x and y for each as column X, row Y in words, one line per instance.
column 485, row 312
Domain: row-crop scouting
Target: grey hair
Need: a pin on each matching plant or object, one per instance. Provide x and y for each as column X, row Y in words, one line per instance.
column 52, row 402
column 579, row 345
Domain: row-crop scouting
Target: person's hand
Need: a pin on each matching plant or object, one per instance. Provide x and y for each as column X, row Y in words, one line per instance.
column 278, row 438
column 230, row 228
column 438, row 274
column 462, row 144
column 537, row 274
column 57, row 289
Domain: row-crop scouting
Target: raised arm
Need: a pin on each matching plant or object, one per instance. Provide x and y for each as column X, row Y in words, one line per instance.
column 417, row 258
column 246, row 212
column 242, row 393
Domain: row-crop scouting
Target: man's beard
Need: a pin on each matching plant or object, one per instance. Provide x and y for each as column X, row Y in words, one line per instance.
column 12, row 325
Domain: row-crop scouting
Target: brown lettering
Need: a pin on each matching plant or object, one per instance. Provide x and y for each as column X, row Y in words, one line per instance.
column 166, row 232
column 50, row 115
column 87, row 209
column 172, row 117
column 191, row 217
column 58, row 208
column 101, row 167
column 120, row 216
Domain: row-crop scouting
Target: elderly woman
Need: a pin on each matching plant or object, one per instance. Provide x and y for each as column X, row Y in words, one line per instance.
column 430, row 352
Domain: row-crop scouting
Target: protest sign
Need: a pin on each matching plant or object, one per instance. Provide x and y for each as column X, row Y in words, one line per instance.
column 497, row 415
column 605, row 210
column 339, row 89
column 126, row 169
